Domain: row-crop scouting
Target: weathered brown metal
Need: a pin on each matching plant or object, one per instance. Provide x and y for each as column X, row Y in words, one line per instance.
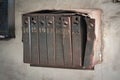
column 50, row 39
column 34, row 39
column 58, row 39
column 76, row 41
column 88, row 58
column 67, row 47
column 26, row 40
column 42, row 41
column 59, row 53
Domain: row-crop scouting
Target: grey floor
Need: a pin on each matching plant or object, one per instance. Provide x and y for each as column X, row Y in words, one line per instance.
column 11, row 52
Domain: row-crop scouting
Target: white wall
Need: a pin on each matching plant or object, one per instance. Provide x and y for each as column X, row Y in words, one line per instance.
column 11, row 52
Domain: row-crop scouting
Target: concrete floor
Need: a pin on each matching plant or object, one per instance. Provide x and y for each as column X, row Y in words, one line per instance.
column 11, row 52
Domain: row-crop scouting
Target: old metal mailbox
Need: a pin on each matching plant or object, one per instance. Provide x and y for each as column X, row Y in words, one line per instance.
column 58, row 38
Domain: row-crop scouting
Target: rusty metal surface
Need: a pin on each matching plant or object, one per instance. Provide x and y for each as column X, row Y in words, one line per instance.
column 63, row 40
column 88, row 58
column 26, row 40
column 50, row 39
column 34, row 39
column 67, row 48
column 76, row 41
column 42, row 41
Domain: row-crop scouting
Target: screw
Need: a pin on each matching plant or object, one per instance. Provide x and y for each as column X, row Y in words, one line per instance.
column 76, row 22
column 34, row 21
column 26, row 21
column 65, row 23
column 92, row 25
column 50, row 22
column 42, row 22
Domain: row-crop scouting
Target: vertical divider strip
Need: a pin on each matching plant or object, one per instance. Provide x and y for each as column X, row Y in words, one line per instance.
column 76, row 41
column 42, row 40
column 66, row 24
column 34, row 40
column 29, row 29
column 70, row 34
column 38, row 40
column 89, row 53
column 50, row 39
column 59, row 52
column 46, row 40
column 54, row 37
column 25, row 39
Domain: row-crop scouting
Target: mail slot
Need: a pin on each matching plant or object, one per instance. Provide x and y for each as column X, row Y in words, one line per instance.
column 58, row 38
